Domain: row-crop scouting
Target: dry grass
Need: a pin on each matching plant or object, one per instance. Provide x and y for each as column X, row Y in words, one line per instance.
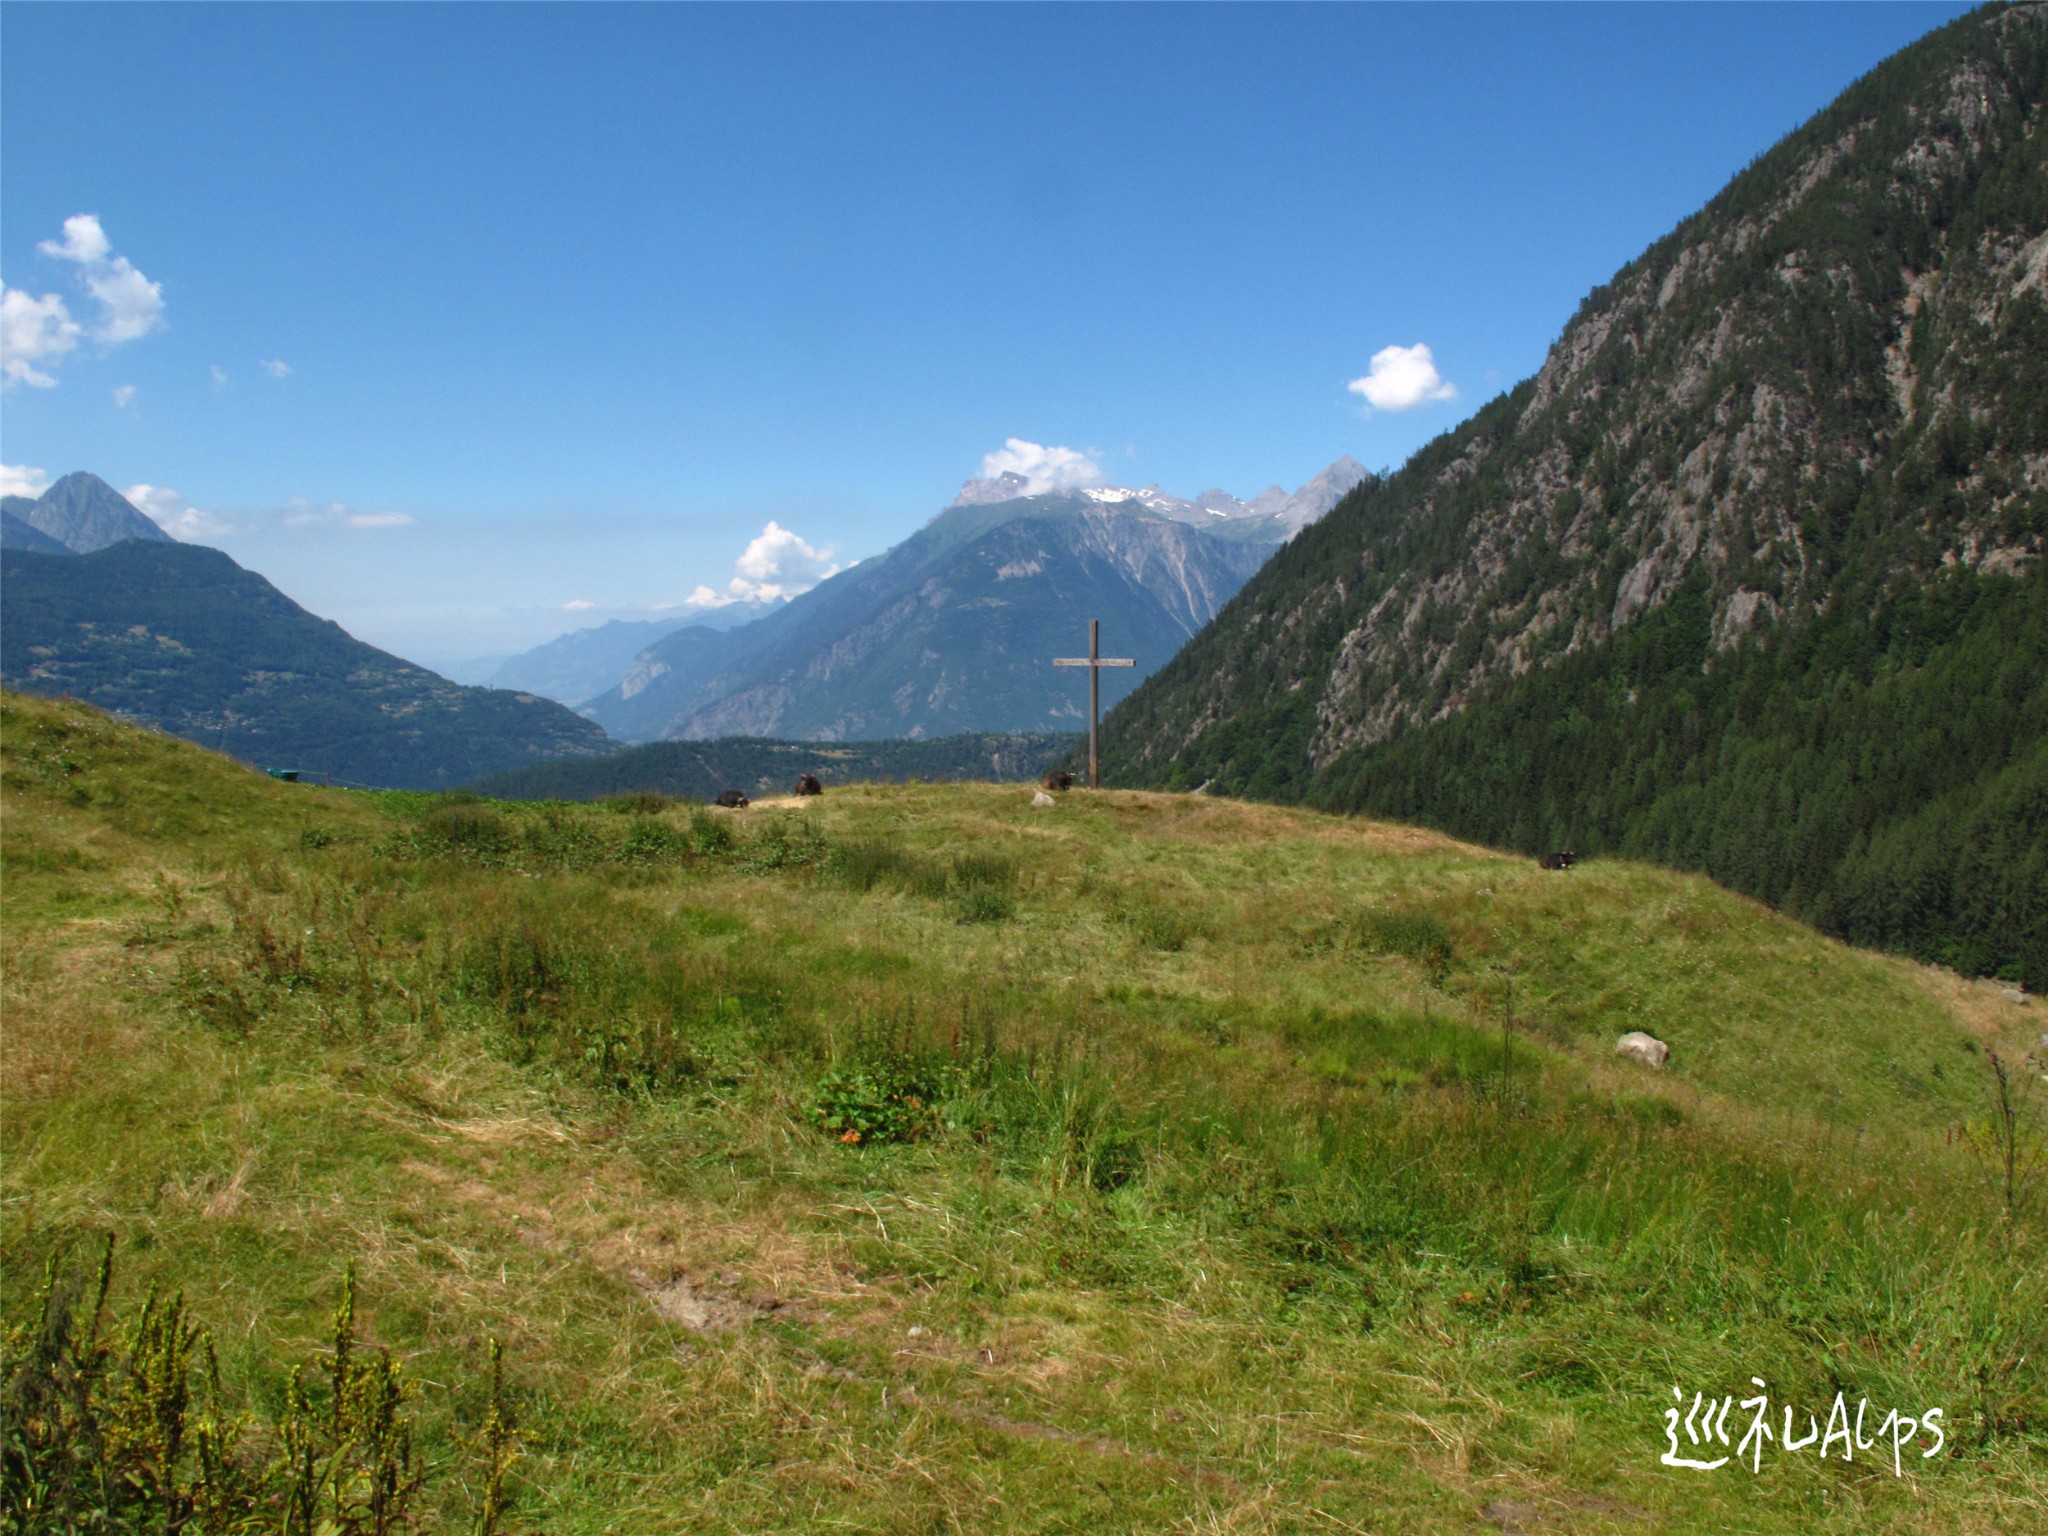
column 1236, row 1224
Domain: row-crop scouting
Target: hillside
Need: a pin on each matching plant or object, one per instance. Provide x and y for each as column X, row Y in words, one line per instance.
column 700, row 770
column 584, row 663
column 182, row 638
column 1746, row 578
column 952, row 631
column 17, row 533
column 918, row 1157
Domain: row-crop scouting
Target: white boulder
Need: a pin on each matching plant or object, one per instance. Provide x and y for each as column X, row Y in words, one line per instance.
column 1647, row 1049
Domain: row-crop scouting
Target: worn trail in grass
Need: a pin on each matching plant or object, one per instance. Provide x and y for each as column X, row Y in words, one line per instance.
column 918, row 1159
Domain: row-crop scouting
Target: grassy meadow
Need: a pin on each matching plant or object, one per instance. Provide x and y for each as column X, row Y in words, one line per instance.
column 916, row 1159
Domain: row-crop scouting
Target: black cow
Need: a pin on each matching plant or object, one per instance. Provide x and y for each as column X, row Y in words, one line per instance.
column 1557, row 860
column 809, row 785
column 1059, row 778
column 732, row 800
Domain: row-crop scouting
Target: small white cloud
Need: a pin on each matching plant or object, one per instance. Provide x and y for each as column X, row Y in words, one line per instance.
column 777, row 566
column 175, row 515
column 84, row 241
column 23, row 480
column 277, row 368
column 1402, row 379
column 32, row 331
column 220, row 376
column 124, row 395
column 578, row 604
column 306, row 514
column 1043, row 469
column 130, row 304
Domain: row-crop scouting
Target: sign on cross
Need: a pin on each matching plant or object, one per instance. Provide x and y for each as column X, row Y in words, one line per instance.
column 1094, row 661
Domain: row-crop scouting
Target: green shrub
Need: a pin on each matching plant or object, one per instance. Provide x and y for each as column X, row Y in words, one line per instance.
column 466, row 827
column 867, row 862
column 883, row 1100
column 1420, row 936
column 709, row 834
column 104, row 1431
column 640, row 802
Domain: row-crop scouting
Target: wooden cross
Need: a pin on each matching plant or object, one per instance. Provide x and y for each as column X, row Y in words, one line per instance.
column 1094, row 661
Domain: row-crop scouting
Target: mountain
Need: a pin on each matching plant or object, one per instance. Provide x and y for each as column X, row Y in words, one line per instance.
column 84, row 513
column 699, row 770
column 182, row 638
column 1271, row 517
column 17, row 532
column 585, row 662
column 1747, row 578
column 952, row 631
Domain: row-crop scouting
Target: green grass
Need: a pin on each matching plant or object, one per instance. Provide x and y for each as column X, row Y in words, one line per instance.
column 1201, row 1179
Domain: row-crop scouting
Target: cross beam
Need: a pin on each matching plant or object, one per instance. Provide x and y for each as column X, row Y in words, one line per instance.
column 1094, row 661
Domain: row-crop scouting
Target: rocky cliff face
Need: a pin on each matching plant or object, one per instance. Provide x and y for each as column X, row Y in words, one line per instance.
column 1833, row 376
column 1748, row 579
column 84, row 513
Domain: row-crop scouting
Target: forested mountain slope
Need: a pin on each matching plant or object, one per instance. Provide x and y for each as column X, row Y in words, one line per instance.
column 183, row 638
column 1747, row 577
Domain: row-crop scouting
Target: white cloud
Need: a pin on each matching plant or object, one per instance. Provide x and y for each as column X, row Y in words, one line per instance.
column 776, row 566
column 306, row 514
column 23, row 480
column 130, row 304
column 32, row 331
column 277, row 368
column 124, row 395
column 220, row 376
column 1044, row 469
column 84, row 241
column 1403, row 378
column 578, row 604
column 175, row 515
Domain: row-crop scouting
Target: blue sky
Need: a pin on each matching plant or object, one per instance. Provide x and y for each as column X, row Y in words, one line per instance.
column 446, row 318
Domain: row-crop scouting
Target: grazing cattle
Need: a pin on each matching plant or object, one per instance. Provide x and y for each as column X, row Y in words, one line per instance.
column 809, row 785
column 732, row 800
column 1059, row 778
column 1558, row 860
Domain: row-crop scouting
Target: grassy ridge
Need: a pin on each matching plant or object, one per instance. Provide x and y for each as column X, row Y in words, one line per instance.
column 921, row 1159
column 699, row 770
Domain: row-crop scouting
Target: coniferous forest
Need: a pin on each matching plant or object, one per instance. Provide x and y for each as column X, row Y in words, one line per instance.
column 1748, row 579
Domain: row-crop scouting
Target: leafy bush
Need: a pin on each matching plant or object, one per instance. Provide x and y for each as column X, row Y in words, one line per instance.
column 884, row 1098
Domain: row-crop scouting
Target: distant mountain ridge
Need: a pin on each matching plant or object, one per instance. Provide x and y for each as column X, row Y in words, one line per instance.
column 18, row 533
column 182, row 638
column 951, row 631
column 1272, row 517
column 954, row 629
column 83, row 513
column 583, row 663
